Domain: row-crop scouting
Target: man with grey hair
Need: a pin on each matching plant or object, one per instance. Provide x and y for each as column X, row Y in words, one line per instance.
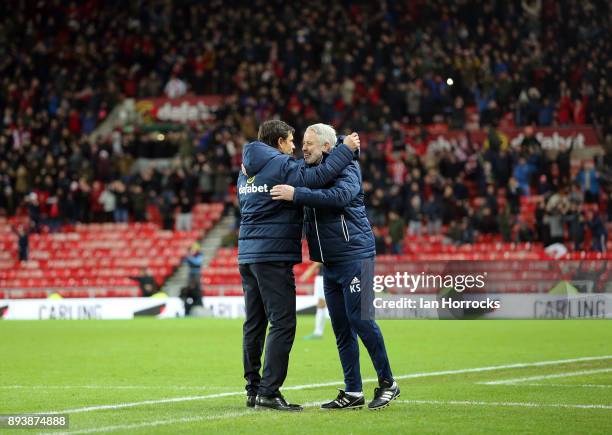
column 318, row 139
column 340, row 236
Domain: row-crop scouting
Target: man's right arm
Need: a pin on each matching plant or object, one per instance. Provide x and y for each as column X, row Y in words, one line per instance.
column 345, row 189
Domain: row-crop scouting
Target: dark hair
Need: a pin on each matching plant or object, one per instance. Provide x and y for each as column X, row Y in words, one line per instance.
column 271, row 131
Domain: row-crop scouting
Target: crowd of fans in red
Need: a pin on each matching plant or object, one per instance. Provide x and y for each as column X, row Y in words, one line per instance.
column 365, row 66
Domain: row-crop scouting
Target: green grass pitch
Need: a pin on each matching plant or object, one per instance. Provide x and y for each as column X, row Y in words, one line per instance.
column 188, row 373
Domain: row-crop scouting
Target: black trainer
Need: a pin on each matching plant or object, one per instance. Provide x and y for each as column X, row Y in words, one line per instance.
column 345, row 401
column 276, row 403
column 250, row 402
column 384, row 394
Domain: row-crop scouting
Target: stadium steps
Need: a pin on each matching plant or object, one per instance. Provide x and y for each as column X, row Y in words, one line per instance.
column 210, row 244
column 120, row 115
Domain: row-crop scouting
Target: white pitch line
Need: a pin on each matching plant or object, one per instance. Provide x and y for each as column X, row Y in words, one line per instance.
column 314, row 404
column 107, row 387
column 169, row 421
column 144, row 402
column 327, row 384
column 541, row 377
column 506, row 366
column 509, row 404
column 154, row 423
column 568, row 385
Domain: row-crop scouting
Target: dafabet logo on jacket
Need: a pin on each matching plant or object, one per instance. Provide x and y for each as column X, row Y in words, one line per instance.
column 250, row 187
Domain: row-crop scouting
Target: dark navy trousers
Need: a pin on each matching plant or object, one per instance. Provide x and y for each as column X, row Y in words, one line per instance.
column 347, row 287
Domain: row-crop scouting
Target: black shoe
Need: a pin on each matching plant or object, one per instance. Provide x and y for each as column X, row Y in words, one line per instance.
column 345, row 401
column 384, row 394
column 277, row 403
column 250, row 402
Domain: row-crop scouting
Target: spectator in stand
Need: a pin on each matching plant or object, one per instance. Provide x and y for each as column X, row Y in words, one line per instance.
column 579, row 111
column 487, row 222
column 454, row 234
column 576, row 197
column 559, row 201
column 396, row 232
column 491, row 199
column 108, row 200
column 433, row 215
column 457, row 120
column 23, row 241
column 7, row 201
column 522, row 174
column 379, row 240
column 554, row 219
column 98, row 210
column 546, row 113
column 138, row 203
column 588, row 179
column 449, row 206
column 505, row 224
column 461, row 233
column 599, row 232
column 146, row 283
column 34, row 210
column 513, row 195
column 184, row 218
column 524, row 233
column 530, row 145
column 541, row 228
column 194, row 262
column 414, row 216
column 564, row 162
column 122, row 202
column 564, row 106
column 166, row 208
column 175, row 87
column 576, row 225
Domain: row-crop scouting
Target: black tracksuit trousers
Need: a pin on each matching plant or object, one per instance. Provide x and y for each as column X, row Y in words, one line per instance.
column 269, row 296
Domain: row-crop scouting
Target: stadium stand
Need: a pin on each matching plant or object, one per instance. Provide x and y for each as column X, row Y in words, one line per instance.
column 487, row 76
column 97, row 260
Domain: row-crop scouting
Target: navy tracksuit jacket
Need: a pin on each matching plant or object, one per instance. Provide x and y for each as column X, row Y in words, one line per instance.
column 268, row 246
column 272, row 230
column 340, row 236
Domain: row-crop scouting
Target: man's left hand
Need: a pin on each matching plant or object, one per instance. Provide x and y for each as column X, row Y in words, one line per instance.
column 282, row 192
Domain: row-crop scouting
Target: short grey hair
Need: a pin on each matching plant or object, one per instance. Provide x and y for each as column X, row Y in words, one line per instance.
column 326, row 133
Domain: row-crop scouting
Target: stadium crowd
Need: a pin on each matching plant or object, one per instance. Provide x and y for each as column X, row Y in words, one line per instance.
column 365, row 66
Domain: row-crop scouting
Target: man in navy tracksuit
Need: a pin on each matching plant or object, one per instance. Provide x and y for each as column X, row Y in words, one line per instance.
column 340, row 236
column 269, row 245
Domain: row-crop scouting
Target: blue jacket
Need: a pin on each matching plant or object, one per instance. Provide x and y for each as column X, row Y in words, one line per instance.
column 194, row 262
column 591, row 175
column 335, row 221
column 272, row 230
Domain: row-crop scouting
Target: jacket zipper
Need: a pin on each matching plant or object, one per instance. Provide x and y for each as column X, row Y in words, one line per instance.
column 345, row 230
column 318, row 238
